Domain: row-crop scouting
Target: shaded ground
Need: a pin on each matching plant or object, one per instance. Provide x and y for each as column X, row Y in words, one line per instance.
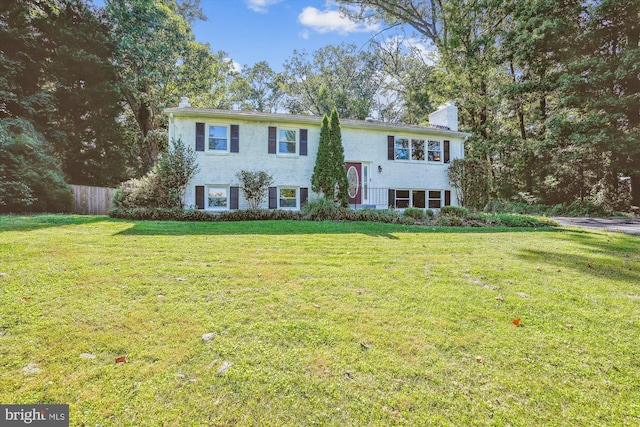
column 623, row 225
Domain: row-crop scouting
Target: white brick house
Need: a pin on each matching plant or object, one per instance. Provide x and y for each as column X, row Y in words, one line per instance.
column 388, row 165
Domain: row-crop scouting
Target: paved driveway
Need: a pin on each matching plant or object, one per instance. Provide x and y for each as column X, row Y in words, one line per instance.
column 622, row 225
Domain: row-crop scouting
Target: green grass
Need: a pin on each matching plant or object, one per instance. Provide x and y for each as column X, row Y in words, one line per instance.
column 325, row 323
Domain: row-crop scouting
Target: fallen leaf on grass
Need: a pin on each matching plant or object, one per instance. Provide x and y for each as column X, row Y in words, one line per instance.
column 499, row 298
column 26, row 298
column 121, row 359
column 516, row 321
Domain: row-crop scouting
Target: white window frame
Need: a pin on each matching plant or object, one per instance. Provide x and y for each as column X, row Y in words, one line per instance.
column 411, row 141
column 297, row 142
column 207, row 136
column 407, row 199
column 207, row 188
column 297, row 198
column 413, row 203
column 410, row 198
column 398, row 140
column 440, row 199
column 440, row 150
column 424, row 149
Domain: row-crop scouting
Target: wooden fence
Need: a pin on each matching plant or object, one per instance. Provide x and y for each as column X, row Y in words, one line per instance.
column 89, row 200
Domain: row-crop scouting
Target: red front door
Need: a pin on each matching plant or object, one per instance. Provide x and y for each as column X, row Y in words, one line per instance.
column 354, row 176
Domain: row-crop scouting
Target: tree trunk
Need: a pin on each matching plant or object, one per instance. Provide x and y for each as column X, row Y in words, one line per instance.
column 150, row 143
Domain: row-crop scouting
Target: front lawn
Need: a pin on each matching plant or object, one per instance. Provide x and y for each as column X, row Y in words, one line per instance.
column 318, row 323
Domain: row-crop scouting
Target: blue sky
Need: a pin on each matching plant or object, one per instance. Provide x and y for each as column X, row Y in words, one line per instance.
column 250, row 31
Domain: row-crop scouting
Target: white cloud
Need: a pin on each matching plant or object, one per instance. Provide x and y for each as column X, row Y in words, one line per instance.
column 261, row 6
column 234, row 65
column 331, row 21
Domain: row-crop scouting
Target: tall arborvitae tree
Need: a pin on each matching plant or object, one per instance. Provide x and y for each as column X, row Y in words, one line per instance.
column 338, row 171
column 322, row 180
column 329, row 173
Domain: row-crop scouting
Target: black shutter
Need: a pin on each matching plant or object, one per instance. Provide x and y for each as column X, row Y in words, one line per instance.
column 392, row 198
column 304, row 196
column 199, row 136
column 200, row 196
column 447, row 149
column 447, row 198
column 235, row 139
column 273, row 197
column 303, row 142
column 272, row 140
column 391, row 151
column 234, row 195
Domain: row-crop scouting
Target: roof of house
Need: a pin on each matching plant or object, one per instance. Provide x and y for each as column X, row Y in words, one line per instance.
column 315, row 120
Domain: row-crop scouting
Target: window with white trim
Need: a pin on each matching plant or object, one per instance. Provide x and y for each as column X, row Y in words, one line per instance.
column 409, row 149
column 287, row 141
column 403, row 199
column 435, row 199
column 402, row 149
column 410, row 198
column 434, row 151
column 417, row 149
column 218, row 139
column 217, row 197
column 418, row 199
column 288, row 198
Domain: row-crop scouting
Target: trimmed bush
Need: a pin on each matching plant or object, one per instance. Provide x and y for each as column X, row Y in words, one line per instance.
column 454, row 211
column 449, row 221
column 160, row 214
column 338, row 214
column 415, row 213
column 320, row 209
